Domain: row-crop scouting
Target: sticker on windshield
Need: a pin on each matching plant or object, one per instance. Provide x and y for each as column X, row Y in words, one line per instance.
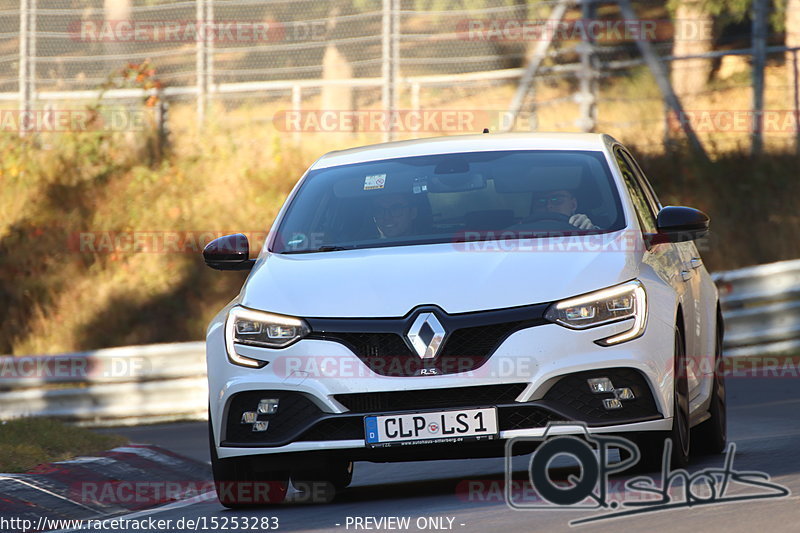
column 374, row 182
column 420, row 185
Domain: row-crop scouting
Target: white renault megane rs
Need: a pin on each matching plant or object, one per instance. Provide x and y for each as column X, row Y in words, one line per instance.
column 431, row 299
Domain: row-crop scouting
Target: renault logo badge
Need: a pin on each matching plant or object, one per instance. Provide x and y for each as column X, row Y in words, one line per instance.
column 426, row 335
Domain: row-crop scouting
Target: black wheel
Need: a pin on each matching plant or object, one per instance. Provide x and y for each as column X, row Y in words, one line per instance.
column 247, row 481
column 711, row 436
column 321, row 482
column 651, row 446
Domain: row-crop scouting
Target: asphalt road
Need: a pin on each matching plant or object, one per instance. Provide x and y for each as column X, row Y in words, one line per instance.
column 763, row 422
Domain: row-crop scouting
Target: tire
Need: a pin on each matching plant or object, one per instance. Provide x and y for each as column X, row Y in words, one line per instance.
column 322, row 483
column 651, row 446
column 247, row 481
column 711, row 437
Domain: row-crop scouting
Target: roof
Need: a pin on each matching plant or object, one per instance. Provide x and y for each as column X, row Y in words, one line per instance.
column 466, row 143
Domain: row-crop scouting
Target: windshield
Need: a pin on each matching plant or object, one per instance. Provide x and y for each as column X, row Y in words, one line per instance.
column 451, row 198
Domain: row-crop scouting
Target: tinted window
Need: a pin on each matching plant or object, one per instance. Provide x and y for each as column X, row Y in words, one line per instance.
column 645, row 185
column 640, row 200
column 441, row 198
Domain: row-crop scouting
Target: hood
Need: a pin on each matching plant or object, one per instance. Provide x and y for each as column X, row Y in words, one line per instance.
column 457, row 277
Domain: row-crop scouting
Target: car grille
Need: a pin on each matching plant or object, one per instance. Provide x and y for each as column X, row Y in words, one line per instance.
column 464, row 349
column 372, row 402
column 300, row 419
column 352, row 427
column 525, row 417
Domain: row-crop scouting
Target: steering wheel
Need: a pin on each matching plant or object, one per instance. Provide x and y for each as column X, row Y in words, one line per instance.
column 548, row 220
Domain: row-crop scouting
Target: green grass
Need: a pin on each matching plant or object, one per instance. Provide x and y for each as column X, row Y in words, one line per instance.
column 28, row 442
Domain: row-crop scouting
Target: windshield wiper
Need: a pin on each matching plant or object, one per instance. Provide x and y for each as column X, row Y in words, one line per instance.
column 328, row 248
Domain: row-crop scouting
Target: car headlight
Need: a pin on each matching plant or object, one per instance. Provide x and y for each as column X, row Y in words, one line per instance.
column 614, row 304
column 258, row 328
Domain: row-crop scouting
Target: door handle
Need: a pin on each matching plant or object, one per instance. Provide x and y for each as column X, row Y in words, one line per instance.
column 696, row 262
column 686, row 275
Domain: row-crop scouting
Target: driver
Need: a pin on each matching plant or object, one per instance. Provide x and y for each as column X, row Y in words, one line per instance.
column 394, row 215
column 564, row 202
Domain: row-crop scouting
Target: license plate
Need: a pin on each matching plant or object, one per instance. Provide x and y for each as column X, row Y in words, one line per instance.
column 425, row 428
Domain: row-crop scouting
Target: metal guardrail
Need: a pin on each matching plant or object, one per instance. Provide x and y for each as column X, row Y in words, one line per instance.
column 115, row 386
column 761, row 307
column 167, row 382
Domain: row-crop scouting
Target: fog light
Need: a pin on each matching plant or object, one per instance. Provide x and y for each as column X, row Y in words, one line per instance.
column 624, row 394
column 612, row 403
column 268, row 406
column 598, row 385
column 249, row 417
column 260, row 426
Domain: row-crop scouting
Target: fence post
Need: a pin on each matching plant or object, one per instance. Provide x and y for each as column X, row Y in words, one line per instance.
column 759, row 33
column 587, row 96
column 535, row 60
column 662, row 80
column 27, row 51
column 415, row 104
column 297, row 105
column 395, row 55
column 201, row 63
column 390, row 60
column 796, row 102
column 210, row 90
column 162, row 121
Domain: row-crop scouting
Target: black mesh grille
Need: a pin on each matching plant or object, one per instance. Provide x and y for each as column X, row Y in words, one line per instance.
column 299, row 419
column 295, row 413
column 525, row 417
column 478, row 341
column 571, row 395
column 471, row 338
column 465, row 349
column 371, row 402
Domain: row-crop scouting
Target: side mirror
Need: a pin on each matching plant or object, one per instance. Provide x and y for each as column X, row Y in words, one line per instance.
column 231, row 252
column 679, row 224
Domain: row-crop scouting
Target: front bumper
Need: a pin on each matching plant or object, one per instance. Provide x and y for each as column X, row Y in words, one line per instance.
column 532, row 360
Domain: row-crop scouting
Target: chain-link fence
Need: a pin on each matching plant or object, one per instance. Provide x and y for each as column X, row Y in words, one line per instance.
column 515, row 64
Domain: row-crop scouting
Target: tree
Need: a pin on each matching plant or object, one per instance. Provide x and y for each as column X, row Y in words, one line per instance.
column 694, row 35
column 792, row 28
